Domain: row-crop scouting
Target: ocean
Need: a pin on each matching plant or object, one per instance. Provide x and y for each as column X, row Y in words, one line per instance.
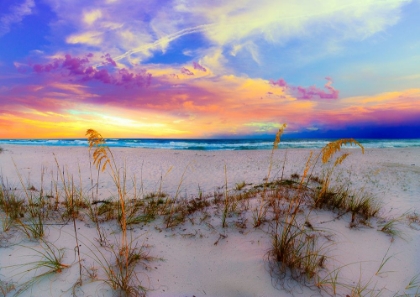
column 212, row 144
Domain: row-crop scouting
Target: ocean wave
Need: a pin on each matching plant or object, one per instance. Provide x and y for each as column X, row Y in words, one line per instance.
column 213, row 144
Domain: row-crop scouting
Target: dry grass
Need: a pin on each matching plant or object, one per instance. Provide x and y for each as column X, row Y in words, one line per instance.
column 390, row 227
column 361, row 205
column 50, row 261
column 119, row 264
column 6, row 288
column 103, row 157
column 295, row 252
column 260, row 212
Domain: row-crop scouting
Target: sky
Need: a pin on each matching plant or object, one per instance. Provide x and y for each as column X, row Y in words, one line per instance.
column 209, row 69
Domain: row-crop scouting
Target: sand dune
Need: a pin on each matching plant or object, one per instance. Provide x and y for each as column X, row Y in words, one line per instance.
column 198, row 257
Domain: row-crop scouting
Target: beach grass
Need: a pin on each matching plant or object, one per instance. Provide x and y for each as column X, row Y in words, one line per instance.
column 119, row 262
column 50, row 262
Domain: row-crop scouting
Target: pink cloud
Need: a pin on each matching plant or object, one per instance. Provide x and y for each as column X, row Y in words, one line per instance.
column 311, row 92
column 281, row 83
column 109, row 60
column 186, row 71
column 199, row 67
column 38, row 68
column 76, row 66
column 82, row 69
column 139, row 79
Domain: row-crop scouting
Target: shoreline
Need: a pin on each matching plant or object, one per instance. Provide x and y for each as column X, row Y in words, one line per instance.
column 201, row 257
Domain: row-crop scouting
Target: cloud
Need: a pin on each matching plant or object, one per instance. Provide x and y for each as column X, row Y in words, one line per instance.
column 89, row 38
column 83, row 70
column 239, row 19
column 108, row 60
column 90, row 17
column 16, row 14
column 186, row 71
column 381, row 109
column 133, row 33
column 199, row 67
column 163, row 42
column 312, row 92
column 39, row 68
column 229, row 24
column 281, row 83
column 187, row 106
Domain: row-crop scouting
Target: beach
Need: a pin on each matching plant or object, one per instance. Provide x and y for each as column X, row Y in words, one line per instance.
column 199, row 256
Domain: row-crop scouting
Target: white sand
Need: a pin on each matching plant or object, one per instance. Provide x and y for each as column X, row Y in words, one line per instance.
column 193, row 265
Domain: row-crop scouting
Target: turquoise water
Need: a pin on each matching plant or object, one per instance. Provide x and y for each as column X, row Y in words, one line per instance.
column 212, row 144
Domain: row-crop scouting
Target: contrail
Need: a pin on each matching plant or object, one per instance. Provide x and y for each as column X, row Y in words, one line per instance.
column 165, row 39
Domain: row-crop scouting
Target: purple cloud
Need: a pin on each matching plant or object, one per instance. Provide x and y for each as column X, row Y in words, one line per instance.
column 199, row 67
column 38, row 68
column 76, row 66
column 81, row 69
column 186, row 71
column 141, row 79
column 108, row 60
column 101, row 75
column 281, row 83
column 311, row 92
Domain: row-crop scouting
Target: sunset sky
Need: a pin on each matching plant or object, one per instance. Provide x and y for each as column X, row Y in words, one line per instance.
column 209, row 69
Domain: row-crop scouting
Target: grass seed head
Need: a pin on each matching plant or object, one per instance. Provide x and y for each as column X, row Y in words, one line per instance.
column 335, row 146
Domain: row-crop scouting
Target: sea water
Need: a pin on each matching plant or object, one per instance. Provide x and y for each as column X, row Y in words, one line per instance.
column 212, row 144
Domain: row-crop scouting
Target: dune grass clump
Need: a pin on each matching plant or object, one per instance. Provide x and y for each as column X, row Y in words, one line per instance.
column 6, row 288
column 261, row 211
column 119, row 264
column 12, row 206
column 120, row 270
column 360, row 205
column 340, row 197
column 295, row 252
column 390, row 227
column 103, row 157
column 34, row 228
column 50, row 261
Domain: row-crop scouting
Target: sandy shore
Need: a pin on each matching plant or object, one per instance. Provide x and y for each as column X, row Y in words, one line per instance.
column 204, row 259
